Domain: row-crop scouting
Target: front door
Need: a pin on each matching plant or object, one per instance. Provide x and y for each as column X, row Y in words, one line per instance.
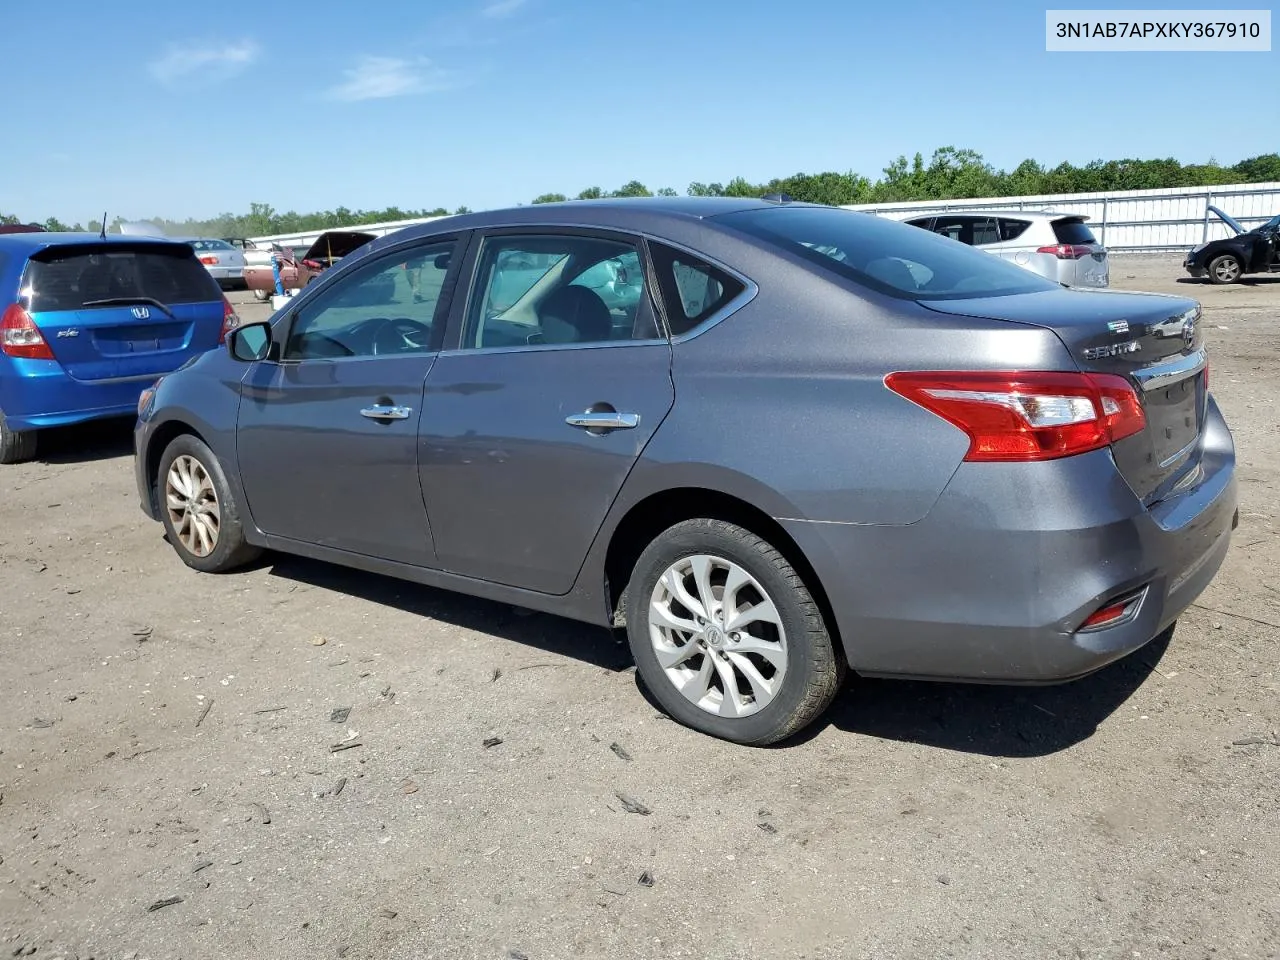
column 557, row 376
column 328, row 434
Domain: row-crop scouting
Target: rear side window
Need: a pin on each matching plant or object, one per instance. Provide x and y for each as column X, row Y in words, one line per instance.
column 71, row 278
column 1073, row 231
column 883, row 255
column 692, row 289
column 1011, row 229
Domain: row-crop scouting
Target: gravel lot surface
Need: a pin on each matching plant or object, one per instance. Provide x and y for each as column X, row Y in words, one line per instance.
column 304, row 761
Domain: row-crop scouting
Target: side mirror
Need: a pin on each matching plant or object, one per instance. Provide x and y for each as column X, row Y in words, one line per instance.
column 250, row 342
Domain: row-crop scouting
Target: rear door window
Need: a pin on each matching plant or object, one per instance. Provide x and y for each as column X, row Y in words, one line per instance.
column 1011, row 229
column 79, row 277
column 1073, row 231
column 985, row 231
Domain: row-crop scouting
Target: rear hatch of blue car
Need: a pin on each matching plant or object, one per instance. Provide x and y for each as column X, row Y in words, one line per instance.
column 116, row 310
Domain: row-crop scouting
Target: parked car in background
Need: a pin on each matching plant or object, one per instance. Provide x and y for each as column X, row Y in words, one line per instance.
column 21, row 228
column 806, row 440
column 1229, row 259
column 89, row 322
column 223, row 261
column 308, row 261
column 1057, row 246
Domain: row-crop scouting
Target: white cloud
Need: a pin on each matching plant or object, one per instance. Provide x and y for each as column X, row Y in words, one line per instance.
column 502, row 8
column 204, row 61
column 376, row 78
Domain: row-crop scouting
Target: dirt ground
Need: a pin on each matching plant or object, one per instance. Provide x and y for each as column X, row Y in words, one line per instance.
column 168, row 735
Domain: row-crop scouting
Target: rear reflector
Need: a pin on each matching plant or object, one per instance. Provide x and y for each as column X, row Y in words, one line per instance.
column 20, row 337
column 1115, row 612
column 230, row 320
column 1025, row 416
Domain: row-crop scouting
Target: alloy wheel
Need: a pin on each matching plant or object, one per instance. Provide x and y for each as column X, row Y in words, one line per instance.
column 718, row 636
column 192, row 504
column 1227, row 269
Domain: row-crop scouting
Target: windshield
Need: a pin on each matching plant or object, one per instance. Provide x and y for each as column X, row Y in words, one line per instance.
column 889, row 257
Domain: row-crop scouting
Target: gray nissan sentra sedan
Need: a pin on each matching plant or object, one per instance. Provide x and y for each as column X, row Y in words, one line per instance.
column 777, row 441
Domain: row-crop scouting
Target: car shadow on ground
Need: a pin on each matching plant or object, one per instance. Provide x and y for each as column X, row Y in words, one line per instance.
column 989, row 720
column 994, row 721
column 86, row 442
column 1251, row 280
column 555, row 635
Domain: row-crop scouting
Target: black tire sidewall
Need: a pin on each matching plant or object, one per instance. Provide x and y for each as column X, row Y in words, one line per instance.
column 231, row 543
column 1213, row 277
column 16, row 446
column 690, row 538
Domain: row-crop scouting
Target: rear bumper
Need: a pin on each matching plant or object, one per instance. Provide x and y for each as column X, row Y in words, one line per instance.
column 43, row 395
column 993, row 585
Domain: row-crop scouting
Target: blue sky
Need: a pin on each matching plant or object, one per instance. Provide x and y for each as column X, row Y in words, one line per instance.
column 198, row 108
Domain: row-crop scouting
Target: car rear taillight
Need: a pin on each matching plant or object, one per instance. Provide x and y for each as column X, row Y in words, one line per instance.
column 20, row 337
column 230, row 320
column 209, row 260
column 1067, row 251
column 1026, row 416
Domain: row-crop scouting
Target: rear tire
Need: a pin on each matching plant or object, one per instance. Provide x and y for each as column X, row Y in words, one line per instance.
column 197, row 508
column 1225, row 268
column 16, row 446
column 760, row 630
column 262, row 296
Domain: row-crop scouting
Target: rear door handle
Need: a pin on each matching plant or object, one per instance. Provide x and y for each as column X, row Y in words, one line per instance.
column 604, row 420
column 385, row 411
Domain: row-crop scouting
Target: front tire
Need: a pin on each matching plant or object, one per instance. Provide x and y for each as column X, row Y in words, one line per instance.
column 16, row 446
column 197, row 508
column 727, row 637
column 1225, row 269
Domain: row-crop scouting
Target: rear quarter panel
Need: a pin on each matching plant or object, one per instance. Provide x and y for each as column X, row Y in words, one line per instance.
column 787, row 396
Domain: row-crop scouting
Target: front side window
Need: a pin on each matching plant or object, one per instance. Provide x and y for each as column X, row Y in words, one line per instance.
column 886, row 256
column 384, row 308
column 549, row 290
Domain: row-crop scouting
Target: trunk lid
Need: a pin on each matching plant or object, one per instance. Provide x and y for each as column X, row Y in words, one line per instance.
column 1154, row 341
column 120, row 309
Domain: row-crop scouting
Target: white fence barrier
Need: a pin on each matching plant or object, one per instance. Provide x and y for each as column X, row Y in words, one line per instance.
column 1176, row 218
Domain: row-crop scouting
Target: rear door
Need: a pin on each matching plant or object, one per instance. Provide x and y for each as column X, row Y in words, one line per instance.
column 557, row 375
column 123, row 309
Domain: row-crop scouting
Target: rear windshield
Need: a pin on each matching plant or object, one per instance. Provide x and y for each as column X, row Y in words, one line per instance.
column 1073, row 231
column 70, row 278
column 890, row 257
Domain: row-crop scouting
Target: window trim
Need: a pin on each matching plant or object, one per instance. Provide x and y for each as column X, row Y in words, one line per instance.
column 471, row 277
column 282, row 325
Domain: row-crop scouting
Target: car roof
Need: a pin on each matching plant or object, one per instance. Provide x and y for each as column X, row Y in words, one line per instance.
column 623, row 213
column 30, row 243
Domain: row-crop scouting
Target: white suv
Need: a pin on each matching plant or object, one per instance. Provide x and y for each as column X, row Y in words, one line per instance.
column 1059, row 246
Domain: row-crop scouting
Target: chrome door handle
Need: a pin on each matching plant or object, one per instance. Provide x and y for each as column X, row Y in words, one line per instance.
column 385, row 411
column 604, row 420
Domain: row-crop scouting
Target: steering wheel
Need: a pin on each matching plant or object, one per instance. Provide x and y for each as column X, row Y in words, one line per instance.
column 404, row 331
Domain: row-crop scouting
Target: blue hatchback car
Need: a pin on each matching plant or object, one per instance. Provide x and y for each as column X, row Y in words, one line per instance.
column 89, row 321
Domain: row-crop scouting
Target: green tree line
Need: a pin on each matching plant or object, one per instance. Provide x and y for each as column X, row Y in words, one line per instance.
column 949, row 174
